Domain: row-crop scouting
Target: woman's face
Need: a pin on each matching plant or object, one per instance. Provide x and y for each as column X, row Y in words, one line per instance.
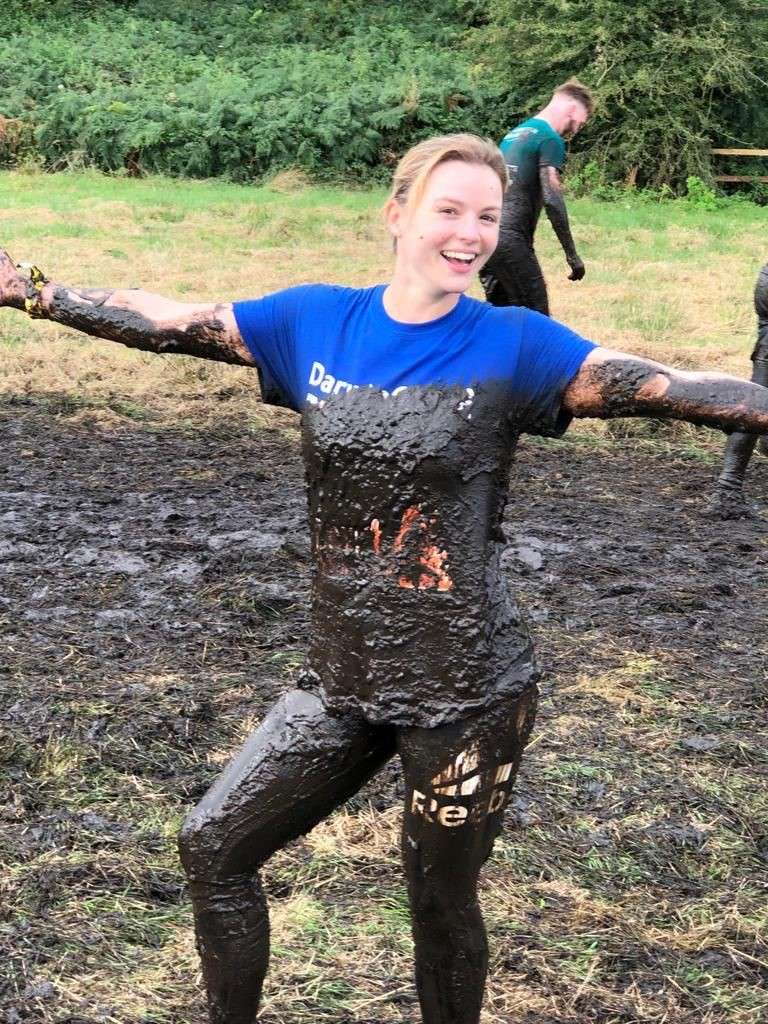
column 445, row 240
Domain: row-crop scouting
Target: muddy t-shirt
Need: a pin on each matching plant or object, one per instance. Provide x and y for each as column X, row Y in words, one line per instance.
column 408, row 436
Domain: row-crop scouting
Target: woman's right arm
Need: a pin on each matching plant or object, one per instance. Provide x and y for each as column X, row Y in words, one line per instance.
column 135, row 318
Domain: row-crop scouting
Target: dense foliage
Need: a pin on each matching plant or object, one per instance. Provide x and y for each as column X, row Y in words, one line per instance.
column 339, row 88
column 234, row 89
column 672, row 77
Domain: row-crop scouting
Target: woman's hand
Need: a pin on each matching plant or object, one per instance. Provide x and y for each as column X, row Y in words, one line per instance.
column 132, row 317
column 13, row 284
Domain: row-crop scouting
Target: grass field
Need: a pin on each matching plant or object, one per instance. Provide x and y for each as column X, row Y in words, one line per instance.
column 663, row 279
column 629, row 885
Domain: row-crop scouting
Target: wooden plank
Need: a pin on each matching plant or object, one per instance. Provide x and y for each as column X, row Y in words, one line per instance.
column 739, row 152
column 741, row 177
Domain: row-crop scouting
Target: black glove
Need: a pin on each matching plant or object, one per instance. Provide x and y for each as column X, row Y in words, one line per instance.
column 577, row 269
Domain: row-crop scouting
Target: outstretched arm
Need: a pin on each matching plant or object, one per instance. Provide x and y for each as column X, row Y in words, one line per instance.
column 611, row 384
column 554, row 204
column 135, row 318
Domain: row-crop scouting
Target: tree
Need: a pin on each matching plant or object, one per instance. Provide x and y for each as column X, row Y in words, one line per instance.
column 672, row 77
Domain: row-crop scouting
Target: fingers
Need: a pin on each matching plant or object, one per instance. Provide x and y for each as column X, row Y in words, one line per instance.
column 577, row 272
column 13, row 286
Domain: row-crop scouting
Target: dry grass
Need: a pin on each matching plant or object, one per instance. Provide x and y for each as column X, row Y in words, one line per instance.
column 675, row 287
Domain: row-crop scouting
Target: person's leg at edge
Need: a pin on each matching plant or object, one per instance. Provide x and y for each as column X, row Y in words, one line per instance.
column 293, row 771
column 760, row 376
column 728, row 499
column 457, row 783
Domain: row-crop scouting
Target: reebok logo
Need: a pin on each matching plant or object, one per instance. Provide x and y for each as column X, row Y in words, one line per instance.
column 461, row 793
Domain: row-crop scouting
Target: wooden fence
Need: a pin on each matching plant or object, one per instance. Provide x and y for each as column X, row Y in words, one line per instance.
column 740, row 153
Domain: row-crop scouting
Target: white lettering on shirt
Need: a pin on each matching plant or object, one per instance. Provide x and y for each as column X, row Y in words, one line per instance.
column 325, row 382
column 320, row 378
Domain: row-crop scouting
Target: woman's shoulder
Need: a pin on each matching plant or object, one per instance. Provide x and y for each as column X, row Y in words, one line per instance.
column 527, row 328
column 504, row 317
column 321, row 293
column 331, row 288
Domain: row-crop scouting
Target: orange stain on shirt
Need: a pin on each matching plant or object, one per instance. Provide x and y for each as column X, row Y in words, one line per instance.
column 431, row 557
column 375, row 529
column 411, row 517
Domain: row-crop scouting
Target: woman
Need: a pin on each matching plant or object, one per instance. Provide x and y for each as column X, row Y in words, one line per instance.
column 412, row 396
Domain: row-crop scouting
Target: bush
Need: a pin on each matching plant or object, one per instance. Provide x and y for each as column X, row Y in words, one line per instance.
column 672, row 77
column 237, row 90
column 340, row 89
column 701, row 196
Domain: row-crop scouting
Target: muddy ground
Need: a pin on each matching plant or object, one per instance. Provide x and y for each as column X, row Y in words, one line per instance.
column 153, row 602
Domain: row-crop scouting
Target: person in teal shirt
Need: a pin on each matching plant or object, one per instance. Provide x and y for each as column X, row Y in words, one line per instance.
column 534, row 152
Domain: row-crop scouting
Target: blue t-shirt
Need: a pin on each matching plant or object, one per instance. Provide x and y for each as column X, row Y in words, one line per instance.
column 314, row 341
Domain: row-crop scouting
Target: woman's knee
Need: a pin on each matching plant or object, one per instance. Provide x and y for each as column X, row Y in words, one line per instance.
column 210, row 851
column 448, row 897
column 230, row 809
column 197, row 844
column 292, row 771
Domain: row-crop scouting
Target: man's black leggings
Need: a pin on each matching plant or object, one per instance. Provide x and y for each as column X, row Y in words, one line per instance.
column 300, row 764
column 513, row 276
column 740, row 446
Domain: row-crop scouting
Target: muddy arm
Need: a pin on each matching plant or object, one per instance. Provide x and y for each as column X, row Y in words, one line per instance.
column 134, row 318
column 611, row 384
column 554, row 205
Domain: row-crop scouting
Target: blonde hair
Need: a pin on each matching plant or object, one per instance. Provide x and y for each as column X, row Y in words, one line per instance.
column 410, row 178
column 576, row 90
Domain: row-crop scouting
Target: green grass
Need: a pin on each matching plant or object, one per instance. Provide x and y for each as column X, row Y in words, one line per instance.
column 664, row 279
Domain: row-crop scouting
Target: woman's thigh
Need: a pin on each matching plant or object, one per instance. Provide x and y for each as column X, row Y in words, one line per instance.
column 458, row 779
column 298, row 766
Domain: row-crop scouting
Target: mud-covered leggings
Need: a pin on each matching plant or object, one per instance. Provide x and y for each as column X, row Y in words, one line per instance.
column 513, row 275
column 303, row 762
column 740, row 446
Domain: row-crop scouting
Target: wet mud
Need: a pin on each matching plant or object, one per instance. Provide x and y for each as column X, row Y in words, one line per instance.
column 154, row 590
column 395, row 507
column 129, row 553
column 513, row 275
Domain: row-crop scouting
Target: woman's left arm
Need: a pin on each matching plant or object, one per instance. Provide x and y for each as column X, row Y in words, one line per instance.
column 611, row 384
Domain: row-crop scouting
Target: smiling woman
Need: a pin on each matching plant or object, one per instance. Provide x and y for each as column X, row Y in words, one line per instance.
column 451, row 199
column 413, row 396
column 444, row 238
